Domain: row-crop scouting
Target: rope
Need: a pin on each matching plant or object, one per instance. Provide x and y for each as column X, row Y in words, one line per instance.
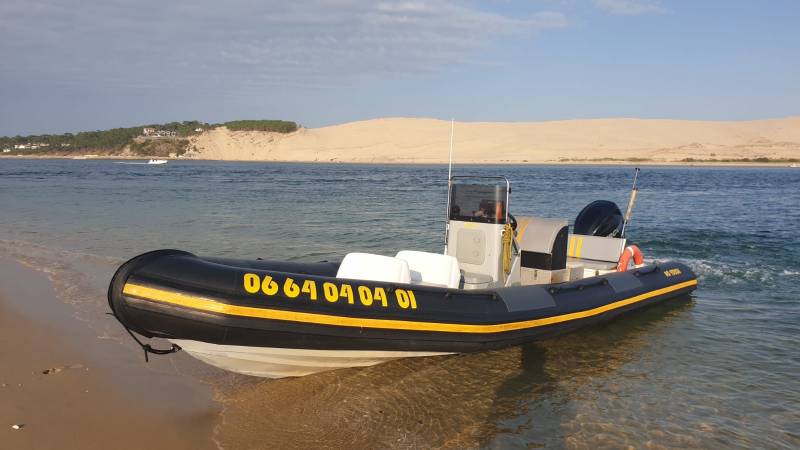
column 147, row 348
column 508, row 238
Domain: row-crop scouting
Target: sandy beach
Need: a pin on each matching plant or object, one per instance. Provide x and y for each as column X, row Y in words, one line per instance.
column 426, row 141
column 65, row 387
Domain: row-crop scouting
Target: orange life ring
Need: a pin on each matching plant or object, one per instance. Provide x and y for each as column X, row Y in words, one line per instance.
column 625, row 258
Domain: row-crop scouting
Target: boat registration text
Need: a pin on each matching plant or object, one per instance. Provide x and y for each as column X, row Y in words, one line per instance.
column 332, row 292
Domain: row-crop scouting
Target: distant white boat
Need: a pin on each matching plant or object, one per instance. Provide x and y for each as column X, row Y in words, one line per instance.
column 142, row 163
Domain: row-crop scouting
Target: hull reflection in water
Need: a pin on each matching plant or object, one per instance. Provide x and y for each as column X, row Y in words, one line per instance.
column 452, row 401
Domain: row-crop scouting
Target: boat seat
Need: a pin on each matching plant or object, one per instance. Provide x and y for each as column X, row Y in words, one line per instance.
column 433, row 269
column 367, row 266
column 477, row 280
column 591, row 264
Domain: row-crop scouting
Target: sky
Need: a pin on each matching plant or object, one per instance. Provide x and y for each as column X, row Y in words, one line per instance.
column 68, row 66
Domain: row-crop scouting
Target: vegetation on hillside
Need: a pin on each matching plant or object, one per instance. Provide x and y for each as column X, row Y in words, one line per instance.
column 276, row 126
column 116, row 140
column 759, row 159
column 162, row 147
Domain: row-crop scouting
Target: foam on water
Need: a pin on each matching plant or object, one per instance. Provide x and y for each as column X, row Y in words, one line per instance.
column 730, row 274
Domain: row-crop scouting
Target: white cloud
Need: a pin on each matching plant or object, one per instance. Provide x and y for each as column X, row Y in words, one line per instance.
column 630, row 7
column 311, row 42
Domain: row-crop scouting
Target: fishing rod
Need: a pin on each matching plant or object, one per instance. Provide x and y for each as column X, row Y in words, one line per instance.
column 629, row 212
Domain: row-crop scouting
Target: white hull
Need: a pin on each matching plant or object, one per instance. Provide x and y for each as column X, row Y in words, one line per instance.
column 273, row 362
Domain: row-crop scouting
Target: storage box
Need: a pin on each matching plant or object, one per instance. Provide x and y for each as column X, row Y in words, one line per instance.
column 540, row 276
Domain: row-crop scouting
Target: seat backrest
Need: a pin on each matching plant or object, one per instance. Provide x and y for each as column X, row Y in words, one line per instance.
column 366, row 266
column 597, row 248
column 432, row 268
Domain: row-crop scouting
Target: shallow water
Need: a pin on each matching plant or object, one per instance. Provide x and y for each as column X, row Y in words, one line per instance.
column 716, row 370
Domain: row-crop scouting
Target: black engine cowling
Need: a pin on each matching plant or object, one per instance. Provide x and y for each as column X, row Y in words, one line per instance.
column 599, row 218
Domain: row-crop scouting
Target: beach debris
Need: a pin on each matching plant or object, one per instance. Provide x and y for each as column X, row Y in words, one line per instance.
column 18, row 426
column 59, row 369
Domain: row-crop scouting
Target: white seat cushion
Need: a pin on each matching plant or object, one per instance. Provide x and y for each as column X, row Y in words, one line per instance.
column 366, row 266
column 432, row 268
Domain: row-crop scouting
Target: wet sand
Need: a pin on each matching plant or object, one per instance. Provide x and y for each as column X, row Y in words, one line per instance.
column 70, row 389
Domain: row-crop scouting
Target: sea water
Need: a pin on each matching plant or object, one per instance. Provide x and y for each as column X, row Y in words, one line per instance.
column 718, row 370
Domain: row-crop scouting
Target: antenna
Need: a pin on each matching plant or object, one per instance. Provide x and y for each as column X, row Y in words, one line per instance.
column 450, row 163
column 449, row 185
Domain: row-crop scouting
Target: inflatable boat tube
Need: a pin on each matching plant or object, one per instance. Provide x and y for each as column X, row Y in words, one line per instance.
column 233, row 304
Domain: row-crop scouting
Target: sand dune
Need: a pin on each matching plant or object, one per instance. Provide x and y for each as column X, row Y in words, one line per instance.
column 401, row 140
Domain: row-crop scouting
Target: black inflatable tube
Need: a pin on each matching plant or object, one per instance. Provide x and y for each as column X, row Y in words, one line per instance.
column 174, row 294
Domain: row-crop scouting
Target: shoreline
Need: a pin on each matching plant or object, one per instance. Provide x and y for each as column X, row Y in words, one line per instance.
column 70, row 388
column 567, row 163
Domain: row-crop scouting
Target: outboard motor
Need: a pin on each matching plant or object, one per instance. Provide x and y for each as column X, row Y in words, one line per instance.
column 599, row 218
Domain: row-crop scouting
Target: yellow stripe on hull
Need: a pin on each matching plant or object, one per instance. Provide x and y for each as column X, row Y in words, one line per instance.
column 210, row 305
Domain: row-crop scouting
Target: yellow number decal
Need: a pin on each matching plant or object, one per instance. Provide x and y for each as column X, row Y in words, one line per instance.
column 402, row 298
column 365, row 295
column 268, row 286
column 380, row 296
column 405, row 298
column 331, row 292
column 347, row 291
column 672, row 272
column 310, row 288
column 252, row 283
column 290, row 288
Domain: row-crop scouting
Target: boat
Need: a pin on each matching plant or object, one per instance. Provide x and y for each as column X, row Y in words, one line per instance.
column 501, row 281
column 157, row 161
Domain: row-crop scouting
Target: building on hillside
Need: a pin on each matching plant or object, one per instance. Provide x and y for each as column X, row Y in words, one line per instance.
column 154, row 133
column 198, row 130
column 6, row 150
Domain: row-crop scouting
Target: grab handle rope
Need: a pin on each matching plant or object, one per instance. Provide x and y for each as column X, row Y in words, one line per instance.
column 147, row 348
